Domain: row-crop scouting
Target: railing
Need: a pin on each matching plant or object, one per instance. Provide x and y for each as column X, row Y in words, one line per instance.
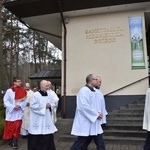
column 126, row 86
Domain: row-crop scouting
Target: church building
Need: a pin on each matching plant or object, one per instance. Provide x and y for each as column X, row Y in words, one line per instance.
column 108, row 38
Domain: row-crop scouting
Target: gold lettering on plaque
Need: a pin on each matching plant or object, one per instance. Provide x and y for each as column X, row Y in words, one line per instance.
column 104, row 35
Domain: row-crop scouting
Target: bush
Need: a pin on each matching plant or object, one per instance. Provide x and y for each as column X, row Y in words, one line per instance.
column 2, row 122
column 2, row 118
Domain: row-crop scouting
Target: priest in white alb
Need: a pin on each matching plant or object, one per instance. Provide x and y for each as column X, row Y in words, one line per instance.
column 41, row 128
column 55, row 99
column 26, row 119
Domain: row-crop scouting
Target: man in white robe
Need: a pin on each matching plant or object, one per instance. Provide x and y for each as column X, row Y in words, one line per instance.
column 55, row 99
column 87, row 121
column 102, row 100
column 41, row 127
column 15, row 102
column 101, row 103
column 26, row 120
column 146, row 120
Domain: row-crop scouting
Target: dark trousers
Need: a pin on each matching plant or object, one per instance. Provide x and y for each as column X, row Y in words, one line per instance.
column 98, row 140
column 83, row 142
column 147, row 142
column 41, row 142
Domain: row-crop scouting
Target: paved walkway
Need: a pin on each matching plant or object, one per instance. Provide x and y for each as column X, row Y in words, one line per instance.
column 63, row 126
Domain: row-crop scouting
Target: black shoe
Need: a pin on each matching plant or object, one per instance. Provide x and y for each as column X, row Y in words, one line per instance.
column 10, row 142
column 15, row 143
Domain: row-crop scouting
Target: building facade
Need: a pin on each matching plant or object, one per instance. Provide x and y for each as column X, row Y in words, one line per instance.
column 104, row 38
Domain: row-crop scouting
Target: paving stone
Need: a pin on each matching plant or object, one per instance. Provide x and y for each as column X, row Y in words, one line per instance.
column 116, row 147
column 60, row 145
column 66, row 146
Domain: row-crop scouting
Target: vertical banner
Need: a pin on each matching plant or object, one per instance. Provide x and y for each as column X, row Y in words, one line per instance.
column 137, row 46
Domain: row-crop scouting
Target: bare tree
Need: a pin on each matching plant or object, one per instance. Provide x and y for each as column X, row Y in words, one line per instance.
column 1, row 51
column 25, row 52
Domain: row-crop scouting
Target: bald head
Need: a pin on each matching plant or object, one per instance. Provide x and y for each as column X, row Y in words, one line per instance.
column 27, row 86
column 44, row 85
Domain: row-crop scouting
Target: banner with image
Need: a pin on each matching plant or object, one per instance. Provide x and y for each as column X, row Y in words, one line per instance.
column 137, row 46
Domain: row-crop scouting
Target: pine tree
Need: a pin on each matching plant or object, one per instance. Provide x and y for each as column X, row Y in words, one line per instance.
column 1, row 51
column 25, row 51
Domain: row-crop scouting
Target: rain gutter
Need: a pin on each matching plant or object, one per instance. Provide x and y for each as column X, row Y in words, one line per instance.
column 64, row 48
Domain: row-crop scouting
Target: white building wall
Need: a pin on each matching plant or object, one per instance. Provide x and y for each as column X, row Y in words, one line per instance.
column 110, row 59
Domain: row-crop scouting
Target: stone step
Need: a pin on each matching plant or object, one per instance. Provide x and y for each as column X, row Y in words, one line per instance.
column 125, row 133
column 123, row 126
column 127, row 120
column 124, row 114
column 117, row 126
column 141, row 111
column 136, row 106
column 124, row 140
column 141, row 101
column 124, row 118
column 132, row 107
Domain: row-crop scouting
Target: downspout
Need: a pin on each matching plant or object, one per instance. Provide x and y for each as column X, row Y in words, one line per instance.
column 64, row 77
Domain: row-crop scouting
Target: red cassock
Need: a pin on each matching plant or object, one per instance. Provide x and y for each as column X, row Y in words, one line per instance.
column 12, row 129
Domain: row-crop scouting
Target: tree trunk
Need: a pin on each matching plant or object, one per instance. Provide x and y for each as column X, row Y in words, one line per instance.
column 17, row 51
column 1, row 52
column 39, row 51
column 11, row 53
column 45, row 56
column 34, row 53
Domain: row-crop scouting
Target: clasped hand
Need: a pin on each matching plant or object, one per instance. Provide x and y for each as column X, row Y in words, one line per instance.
column 17, row 107
column 100, row 115
column 48, row 105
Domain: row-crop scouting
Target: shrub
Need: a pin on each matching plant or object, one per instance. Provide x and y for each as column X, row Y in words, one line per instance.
column 2, row 122
column 2, row 118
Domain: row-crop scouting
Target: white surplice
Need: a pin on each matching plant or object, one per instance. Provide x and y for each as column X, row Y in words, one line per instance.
column 146, row 118
column 26, row 119
column 103, row 106
column 10, row 103
column 55, row 99
column 87, row 111
column 40, row 117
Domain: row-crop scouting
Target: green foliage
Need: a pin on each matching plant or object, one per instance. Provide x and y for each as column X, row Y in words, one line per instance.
column 2, row 118
column 2, row 122
column 22, row 46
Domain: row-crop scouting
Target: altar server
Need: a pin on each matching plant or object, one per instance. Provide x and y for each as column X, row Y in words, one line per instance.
column 87, row 121
column 15, row 103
